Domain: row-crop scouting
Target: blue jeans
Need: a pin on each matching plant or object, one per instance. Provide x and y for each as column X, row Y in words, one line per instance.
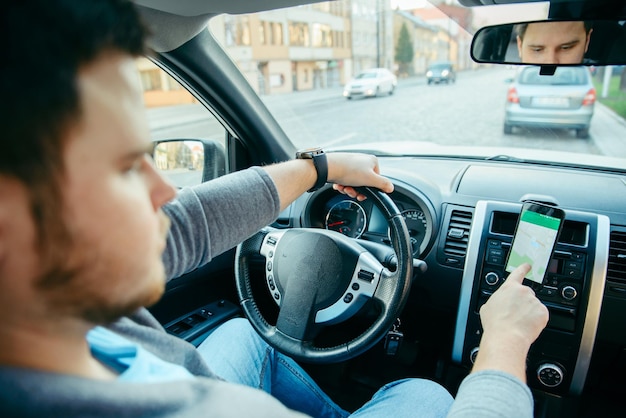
column 235, row 352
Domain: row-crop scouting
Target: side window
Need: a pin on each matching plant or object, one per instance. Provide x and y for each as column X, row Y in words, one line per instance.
column 190, row 140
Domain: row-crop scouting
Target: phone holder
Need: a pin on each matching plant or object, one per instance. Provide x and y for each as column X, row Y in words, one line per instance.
column 539, row 198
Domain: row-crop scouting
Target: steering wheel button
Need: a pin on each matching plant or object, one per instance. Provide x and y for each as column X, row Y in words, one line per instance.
column 355, row 286
column 269, row 266
column 276, row 296
column 348, row 297
column 368, row 276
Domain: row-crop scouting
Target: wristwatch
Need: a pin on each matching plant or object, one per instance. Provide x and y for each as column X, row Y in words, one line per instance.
column 320, row 163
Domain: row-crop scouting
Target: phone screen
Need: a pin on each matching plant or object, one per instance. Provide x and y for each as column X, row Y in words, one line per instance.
column 535, row 236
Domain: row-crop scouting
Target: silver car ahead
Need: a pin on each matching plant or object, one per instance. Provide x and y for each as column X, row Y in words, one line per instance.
column 371, row 82
column 563, row 100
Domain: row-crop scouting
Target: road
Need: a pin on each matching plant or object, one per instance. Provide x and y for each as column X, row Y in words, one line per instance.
column 415, row 112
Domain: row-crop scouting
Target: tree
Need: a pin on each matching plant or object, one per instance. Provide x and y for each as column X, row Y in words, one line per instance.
column 404, row 51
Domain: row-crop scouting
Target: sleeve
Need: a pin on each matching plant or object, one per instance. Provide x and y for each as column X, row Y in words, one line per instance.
column 215, row 216
column 492, row 393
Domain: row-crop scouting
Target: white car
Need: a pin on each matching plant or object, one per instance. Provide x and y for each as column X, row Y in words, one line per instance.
column 371, row 83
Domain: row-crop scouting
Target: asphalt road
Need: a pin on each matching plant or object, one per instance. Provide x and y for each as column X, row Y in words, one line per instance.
column 468, row 112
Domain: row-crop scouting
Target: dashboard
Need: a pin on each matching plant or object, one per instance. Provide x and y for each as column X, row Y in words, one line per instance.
column 461, row 215
column 334, row 211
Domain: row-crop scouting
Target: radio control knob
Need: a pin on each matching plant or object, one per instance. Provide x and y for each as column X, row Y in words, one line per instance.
column 492, row 278
column 569, row 292
column 550, row 375
column 473, row 354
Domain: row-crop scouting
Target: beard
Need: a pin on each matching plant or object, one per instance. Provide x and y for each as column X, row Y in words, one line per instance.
column 89, row 285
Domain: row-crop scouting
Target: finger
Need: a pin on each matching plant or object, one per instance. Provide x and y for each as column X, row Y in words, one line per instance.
column 387, row 186
column 519, row 273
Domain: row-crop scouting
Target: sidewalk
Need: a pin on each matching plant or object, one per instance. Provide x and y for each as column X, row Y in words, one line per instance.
column 607, row 131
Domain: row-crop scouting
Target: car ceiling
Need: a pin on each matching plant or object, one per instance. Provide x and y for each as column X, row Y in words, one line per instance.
column 212, row 7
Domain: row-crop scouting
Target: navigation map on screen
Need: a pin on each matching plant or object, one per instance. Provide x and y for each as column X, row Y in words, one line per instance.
column 533, row 243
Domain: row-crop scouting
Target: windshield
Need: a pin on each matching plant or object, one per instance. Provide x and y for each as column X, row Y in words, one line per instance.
column 439, row 66
column 300, row 61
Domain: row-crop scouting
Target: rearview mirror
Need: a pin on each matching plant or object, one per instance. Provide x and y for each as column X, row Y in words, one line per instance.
column 552, row 42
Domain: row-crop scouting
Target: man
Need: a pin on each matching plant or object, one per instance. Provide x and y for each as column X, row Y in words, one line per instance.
column 553, row 42
column 83, row 226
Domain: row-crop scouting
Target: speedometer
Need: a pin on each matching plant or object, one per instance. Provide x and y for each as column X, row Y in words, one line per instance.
column 417, row 224
column 346, row 217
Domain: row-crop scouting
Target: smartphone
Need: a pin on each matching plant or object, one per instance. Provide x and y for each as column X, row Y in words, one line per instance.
column 536, row 234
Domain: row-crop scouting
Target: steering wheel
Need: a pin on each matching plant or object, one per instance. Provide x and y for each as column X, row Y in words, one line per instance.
column 318, row 278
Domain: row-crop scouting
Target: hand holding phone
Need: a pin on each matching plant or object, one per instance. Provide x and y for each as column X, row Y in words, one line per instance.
column 535, row 237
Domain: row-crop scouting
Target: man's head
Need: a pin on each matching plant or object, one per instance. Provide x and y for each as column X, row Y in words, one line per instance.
column 553, row 42
column 76, row 188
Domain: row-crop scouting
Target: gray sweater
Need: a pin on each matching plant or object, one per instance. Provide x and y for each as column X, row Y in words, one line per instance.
column 202, row 228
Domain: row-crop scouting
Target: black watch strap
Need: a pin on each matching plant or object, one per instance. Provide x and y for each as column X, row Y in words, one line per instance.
column 321, row 165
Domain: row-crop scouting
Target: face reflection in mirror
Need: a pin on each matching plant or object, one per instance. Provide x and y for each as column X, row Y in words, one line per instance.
column 553, row 42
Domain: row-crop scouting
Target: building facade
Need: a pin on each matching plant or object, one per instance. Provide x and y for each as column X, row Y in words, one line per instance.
column 314, row 46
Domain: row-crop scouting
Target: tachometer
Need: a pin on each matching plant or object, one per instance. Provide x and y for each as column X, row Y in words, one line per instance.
column 347, row 217
column 417, row 225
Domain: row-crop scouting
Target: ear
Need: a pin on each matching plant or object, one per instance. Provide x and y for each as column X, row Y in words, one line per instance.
column 588, row 39
column 519, row 46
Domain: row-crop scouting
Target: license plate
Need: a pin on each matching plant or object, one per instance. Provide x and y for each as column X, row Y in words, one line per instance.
column 550, row 101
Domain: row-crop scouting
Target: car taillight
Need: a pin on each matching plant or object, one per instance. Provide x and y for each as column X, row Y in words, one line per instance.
column 590, row 97
column 512, row 96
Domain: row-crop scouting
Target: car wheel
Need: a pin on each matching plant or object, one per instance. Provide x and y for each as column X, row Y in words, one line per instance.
column 582, row 133
column 392, row 89
column 349, row 97
column 508, row 129
column 377, row 92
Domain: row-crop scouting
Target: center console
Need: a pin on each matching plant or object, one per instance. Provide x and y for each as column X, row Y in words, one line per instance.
column 572, row 291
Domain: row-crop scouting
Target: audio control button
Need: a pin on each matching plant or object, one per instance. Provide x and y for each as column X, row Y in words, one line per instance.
column 550, row 375
column 569, row 293
column 492, row 278
column 473, row 354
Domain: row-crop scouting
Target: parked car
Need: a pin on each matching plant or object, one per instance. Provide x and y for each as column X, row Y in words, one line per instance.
column 371, row 83
column 563, row 100
column 440, row 72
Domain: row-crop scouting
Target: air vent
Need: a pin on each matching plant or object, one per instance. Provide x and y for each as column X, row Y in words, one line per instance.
column 457, row 237
column 616, row 272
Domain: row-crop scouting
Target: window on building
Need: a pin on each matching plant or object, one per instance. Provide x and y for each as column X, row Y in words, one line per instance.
column 322, row 35
column 262, row 29
column 276, row 33
column 299, row 34
column 237, row 30
column 150, row 79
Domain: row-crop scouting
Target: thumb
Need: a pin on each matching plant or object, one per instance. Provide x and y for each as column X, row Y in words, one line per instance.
column 385, row 185
column 519, row 273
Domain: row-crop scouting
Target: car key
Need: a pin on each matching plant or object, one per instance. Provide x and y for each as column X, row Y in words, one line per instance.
column 393, row 339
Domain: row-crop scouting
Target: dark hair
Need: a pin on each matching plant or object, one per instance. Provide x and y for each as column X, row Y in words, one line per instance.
column 520, row 28
column 47, row 43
